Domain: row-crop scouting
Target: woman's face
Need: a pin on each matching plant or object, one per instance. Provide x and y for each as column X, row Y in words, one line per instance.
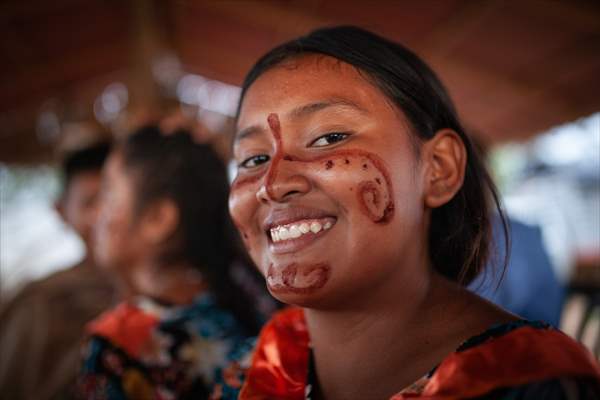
column 79, row 206
column 328, row 196
column 117, row 242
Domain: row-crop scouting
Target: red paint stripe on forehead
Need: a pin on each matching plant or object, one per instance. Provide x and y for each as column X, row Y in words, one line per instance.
column 271, row 173
column 275, row 125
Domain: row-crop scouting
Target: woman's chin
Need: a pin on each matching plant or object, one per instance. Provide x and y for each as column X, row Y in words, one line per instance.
column 313, row 299
column 298, row 284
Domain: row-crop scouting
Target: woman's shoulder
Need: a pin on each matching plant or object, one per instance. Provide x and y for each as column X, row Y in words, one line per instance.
column 520, row 354
column 284, row 342
column 566, row 388
column 130, row 326
column 126, row 326
column 273, row 366
column 518, row 360
column 175, row 350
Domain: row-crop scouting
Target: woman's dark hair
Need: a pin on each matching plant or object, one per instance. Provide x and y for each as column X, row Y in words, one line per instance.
column 87, row 159
column 460, row 231
column 193, row 177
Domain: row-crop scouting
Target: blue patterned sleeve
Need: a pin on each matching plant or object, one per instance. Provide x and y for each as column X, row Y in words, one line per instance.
column 100, row 375
column 230, row 379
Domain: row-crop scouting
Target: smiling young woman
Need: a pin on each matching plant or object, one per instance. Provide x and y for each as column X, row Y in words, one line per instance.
column 360, row 199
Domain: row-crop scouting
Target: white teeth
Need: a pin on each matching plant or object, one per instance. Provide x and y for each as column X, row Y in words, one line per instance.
column 283, row 234
column 296, row 230
column 304, row 227
column 315, row 227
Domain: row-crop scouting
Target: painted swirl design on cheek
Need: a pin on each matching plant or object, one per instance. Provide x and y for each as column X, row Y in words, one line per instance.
column 375, row 193
column 374, row 186
column 374, row 190
column 369, row 197
column 294, row 278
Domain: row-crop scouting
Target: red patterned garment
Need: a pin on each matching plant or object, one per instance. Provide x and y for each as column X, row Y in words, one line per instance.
column 521, row 360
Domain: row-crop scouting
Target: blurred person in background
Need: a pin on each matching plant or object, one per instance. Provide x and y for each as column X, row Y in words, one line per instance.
column 42, row 327
column 528, row 286
column 165, row 233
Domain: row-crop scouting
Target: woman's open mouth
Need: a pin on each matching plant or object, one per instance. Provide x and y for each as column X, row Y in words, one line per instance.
column 292, row 233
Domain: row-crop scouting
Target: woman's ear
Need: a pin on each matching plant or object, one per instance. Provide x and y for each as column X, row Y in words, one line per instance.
column 159, row 221
column 445, row 158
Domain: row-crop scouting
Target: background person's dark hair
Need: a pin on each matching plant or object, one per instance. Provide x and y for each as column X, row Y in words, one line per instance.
column 88, row 159
column 192, row 176
column 460, row 231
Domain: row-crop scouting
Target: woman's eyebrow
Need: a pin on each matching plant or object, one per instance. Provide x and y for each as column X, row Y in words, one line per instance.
column 303, row 111
column 247, row 132
column 311, row 108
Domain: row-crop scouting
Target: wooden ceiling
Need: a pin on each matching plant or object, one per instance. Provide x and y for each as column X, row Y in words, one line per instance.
column 514, row 68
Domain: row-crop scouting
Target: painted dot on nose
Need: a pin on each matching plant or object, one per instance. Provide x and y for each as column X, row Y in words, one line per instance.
column 347, row 161
column 365, row 166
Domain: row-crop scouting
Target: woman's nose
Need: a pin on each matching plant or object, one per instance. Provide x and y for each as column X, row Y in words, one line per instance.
column 284, row 180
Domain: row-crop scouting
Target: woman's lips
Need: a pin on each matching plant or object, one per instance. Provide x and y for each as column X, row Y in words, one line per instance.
column 296, row 235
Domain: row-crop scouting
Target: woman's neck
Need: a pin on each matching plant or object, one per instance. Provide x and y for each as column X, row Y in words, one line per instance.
column 377, row 351
column 175, row 283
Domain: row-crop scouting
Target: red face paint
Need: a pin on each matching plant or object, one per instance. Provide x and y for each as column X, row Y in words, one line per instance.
column 373, row 193
column 275, row 126
column 238, row 183
column 299, row 279
column 375, row 201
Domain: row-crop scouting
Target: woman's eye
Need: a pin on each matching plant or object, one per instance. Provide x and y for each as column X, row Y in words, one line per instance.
column 329, row 139
column 254, row 161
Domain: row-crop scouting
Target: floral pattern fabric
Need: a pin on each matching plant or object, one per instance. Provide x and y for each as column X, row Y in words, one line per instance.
column 143, row 350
